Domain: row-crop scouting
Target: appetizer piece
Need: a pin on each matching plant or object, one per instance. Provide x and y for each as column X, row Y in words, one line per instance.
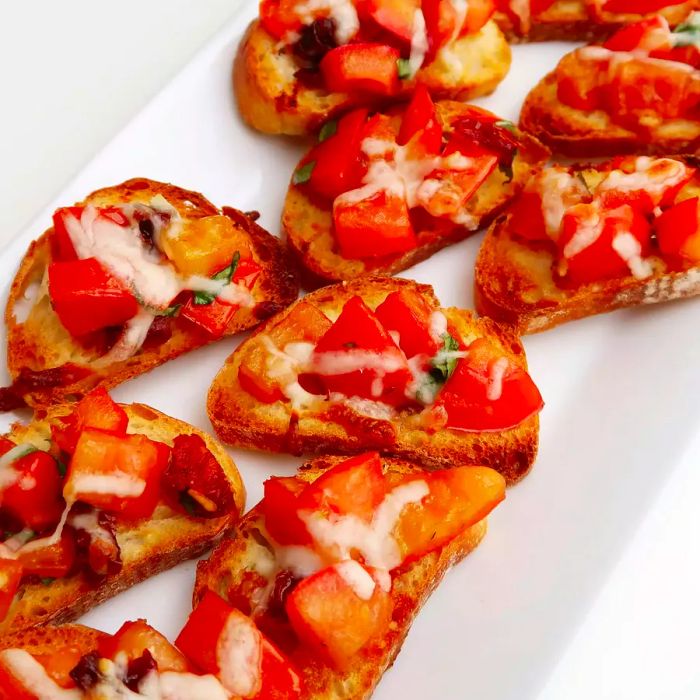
column 303, row 61
column 130, row 278
column 223, row 658
column 97, row 496
column 585, row 239
column 637, row 93
column 335, row 563
column 376, row 364
column 380, row 193
column 581, row 20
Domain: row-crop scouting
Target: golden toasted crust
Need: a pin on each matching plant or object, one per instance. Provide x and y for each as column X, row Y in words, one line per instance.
column 309, row 227
column 272, row 100
column 580, row 134
column 570, row 20
column 239, row 419
column 40, row 641
column 412, row 586
column 147, row 546
column 514, row 283
column 41, row 342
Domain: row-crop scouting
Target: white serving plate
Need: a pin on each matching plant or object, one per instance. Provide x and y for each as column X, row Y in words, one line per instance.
column 618, row 417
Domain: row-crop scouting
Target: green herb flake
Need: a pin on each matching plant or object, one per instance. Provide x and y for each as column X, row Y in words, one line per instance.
column 327, row 130
column 445, row 366
column 505, row 124
column 62, row 467
column 225, row 275
column 47, row 580
column 303, row 173
column 403, row 65
column 687, row 33
column 350, row 344
column 170, row 311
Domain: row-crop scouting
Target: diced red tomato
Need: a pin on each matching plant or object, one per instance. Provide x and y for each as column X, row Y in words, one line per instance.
column 34, row 498
column 86, row 297
column 420, row 121
column 133, row 638
column 327, row 613
column 488, row 392
column 5, row 445
column 357, row 357
column 681, row 54
column 279, row 17
column 527, row 218
column 303, row 323
column 216, row 316
column 10, row 576
column 356, row 486
column 440, row 24
column 478, row 14
column 373, row 227
column 678, row 230
column 119, row 474
column 280, row 506
column 639, row 34
column 95, row 410
column 458, row 498
column 579, row 91
column 222, row 640
column 365, row 68
column 537, row 7
column 599, row 260
column 59, row 664
column 338, row 160
column 62, row 246
column 12, row 688
column 52, row 561
column 407, row 313
column 392, row 16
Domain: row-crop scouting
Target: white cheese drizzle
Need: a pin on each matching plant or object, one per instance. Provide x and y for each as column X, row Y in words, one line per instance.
column 357, row 578
column 239, row 656
column 419, row 42
column 630, row 250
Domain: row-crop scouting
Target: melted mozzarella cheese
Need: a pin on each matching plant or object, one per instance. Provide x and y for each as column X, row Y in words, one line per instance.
column 116, row 483
column 132, row 337
column 357, row 578
column 33, row 676
column 630, row 250
column 8, row 474
column 301, row 561
column 357, row 360
column 615, row 58
column 187, row 686
column 521, row 9
column 587, row 233
column 342, row 12
column 419, row 42
column 653, row 175
column 438, row 325
column 494, row 388
column 558, row 189
column 239, row 656
column 285, row 366
column 24, row 305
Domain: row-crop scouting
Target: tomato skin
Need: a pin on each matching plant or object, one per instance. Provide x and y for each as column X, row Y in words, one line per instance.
column 458, row 498
column 373, row 227
column 407, row 314
column 327, row 614
column 10, row 577
column 478, row 14
column 61, row 244
column 11, row 688
column 338, row 160
column 363, row 67
column 280, row 507
column 94, row 410
column 440, row 24
column 393, row 16
column 279, row 18
column 35, row 498
column 420, row 120
column 469, row 399
column 303, row 323
column 678, row 230
column 133, row 638
column 638, row 7
column 358, row 332
column 101, row 454
column 86, row 297
column 647, row 34
column 53, row 561
column 527, row 218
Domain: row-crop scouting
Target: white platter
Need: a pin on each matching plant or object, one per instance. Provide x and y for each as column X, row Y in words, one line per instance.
column 618, row 416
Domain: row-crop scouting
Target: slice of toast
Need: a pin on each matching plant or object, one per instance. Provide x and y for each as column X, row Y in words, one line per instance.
column 272, row 100
column 309, row 227
column 44, row 641
column 247, row 551
column 37, row 341
column 577, row 20
column 240, row 419
column 588, row 134
column 514, row 281
column 148, row 546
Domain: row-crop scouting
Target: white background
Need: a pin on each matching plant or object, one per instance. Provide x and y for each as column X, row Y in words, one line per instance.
column 641, row 639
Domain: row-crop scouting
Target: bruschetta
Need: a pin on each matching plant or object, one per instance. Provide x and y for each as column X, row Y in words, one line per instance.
column 303, row 61
column 376, row 364
column 130, row 278
column 97, row 496
column 638, row 93
column 220, row 654
column 335, row 563
column 581, row 20
column 382, row 192
column 586, row 239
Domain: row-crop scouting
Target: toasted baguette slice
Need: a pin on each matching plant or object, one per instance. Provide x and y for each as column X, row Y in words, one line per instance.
column 271, row 99
column 44, row 641
column 586, row 134
column 37, row 341
column 514, row 282
column 309, row 227
column 247, row 550
column 577, row 20
column 240, row 419
column 147, row 546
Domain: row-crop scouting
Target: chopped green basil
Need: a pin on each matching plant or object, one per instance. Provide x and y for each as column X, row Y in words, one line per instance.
column 170, row 311
column 61, row 466
column 687, row 33
column 47, row 580
column 505, row 124
column 403, row 65
column 225, row 275
column 303, row 173
column 327, row 130
column 446, row 365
